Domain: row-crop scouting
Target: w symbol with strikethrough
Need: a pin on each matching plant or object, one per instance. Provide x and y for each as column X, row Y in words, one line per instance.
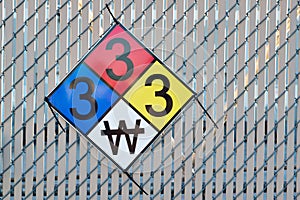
column 122, row 130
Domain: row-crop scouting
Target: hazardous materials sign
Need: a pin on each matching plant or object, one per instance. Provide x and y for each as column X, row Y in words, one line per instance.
column 120, row 96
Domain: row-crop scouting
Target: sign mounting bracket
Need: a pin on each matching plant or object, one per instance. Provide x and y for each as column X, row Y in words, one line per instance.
column 114, row 18
column 205, row 111
column 49, row 104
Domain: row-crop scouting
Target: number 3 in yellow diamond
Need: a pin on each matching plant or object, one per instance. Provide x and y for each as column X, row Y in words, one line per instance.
column 158, row 95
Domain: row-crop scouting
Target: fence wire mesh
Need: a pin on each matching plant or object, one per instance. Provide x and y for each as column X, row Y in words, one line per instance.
column 241, row 57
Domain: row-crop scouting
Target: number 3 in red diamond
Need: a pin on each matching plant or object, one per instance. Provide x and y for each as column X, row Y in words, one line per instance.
column 119, row 59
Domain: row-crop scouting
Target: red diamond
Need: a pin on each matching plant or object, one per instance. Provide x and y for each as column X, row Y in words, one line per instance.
column 119, row 59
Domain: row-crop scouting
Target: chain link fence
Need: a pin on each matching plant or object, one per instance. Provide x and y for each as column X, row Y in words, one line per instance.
column 241, row 57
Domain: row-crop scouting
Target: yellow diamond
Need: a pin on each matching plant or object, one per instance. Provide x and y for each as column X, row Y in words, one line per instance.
column 158, row 95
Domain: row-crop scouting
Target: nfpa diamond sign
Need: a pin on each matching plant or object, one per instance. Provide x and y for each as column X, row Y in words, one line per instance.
column 120, row 96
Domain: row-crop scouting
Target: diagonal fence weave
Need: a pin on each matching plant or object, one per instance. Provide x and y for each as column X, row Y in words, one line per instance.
column 241, row 57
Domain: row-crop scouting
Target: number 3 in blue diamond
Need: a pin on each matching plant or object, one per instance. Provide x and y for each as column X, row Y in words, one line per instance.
column 82, row 98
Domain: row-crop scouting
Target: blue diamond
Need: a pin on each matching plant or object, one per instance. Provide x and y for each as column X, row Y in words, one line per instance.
column 82, row 98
